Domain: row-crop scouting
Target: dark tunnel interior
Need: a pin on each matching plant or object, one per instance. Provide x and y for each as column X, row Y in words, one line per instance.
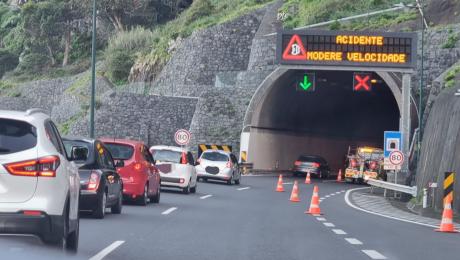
column 328, row 119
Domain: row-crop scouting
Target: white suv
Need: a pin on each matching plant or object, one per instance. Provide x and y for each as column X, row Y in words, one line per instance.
column 39, row 187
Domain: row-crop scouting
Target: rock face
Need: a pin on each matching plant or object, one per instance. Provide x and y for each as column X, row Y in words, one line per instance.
column 440, row 148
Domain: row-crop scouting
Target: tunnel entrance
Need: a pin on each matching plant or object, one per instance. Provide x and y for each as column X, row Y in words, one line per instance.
column 288, row 122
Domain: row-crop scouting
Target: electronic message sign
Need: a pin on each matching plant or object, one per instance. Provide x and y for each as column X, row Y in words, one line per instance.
column 389, row 50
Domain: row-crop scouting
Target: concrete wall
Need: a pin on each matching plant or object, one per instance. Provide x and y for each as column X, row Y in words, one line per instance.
column 441, row 146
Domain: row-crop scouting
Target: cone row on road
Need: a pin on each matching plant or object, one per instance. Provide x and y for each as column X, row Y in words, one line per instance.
column 295, row 193
column 447, row 223
column 279, row 186
column 314, row 205
column 308, row 179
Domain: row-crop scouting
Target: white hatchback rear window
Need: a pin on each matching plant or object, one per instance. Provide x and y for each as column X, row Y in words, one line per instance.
column 16, row 136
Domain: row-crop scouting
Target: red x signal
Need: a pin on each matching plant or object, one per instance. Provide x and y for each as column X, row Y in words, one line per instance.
column 362, row 82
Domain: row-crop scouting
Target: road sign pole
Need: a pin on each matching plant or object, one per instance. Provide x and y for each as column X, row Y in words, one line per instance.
column 93, row 74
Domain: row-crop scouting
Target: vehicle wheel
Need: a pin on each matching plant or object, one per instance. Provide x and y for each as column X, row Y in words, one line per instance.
column 116, row 209
column 230, row 182
column 186, row 190
column 237, row 182
column 193, row 190
column 71, row 245
column 102, row 204
column 156, row 198
column 143, row 201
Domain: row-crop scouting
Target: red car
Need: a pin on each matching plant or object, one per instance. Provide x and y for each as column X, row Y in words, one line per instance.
column 141, row 179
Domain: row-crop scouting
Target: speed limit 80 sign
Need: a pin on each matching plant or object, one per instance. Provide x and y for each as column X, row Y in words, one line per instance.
column 396, row 158
column 182, row 137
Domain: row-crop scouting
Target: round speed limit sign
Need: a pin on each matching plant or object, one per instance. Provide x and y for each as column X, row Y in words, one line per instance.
column 182, row 137
column 396, row 158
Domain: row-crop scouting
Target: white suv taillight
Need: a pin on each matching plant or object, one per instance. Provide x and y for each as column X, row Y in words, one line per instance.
column 42, row 167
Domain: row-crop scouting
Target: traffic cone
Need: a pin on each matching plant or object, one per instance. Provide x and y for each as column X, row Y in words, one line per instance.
column 339, row 177
column 447, row 224
column 307, row 179
column 279, row 186
column 295, row 193
column 314, row 205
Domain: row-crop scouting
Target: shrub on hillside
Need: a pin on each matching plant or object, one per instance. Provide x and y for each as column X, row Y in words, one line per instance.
column 119, row 64
column 199, row 8
column 34, row 63
column 8, row 61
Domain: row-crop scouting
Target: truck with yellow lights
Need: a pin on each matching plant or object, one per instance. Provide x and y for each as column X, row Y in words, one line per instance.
column 363, row 163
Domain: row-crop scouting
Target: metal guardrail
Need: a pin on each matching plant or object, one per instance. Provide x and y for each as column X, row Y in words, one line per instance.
column 393, row 186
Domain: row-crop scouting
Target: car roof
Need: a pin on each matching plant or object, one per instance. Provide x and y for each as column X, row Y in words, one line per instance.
column 172, row 148
column 31, row 116
column 218, row 151
column 121, row 141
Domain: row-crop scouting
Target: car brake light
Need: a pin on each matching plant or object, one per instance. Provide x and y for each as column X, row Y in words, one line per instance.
column 93, row 183
column 137, row 166
column 183, row 158
column 42, row 167
column 229, row 164
column 297, row 163
column 316, row 165
column 32, row 213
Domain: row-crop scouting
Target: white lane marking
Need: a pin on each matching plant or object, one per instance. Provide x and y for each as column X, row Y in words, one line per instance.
column 205, row 197
column 374, row 254
column 347, row 200
column 322, row 198
column 327, row 196
column 343, row 191
column 321, row 219
column 354, row 241
column 245, row 188
column 287, row 183
column 332, row 194
column 338, row 192
column 166, row 212
column 327, row 224
column 339, row 232
column 107, row 250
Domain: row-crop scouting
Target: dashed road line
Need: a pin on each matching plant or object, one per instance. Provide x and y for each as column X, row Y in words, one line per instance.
column 327, row 196
column 374, row 254
column 321, row 219
column 107, row 250
column 354, row 241
column 327, row 224
column 339, row 232
column 168, row 211
column 205, row 197
column 245, row 188
column 288, row 183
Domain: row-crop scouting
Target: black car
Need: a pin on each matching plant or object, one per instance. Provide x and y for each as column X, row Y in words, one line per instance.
column 314, row 164
column 100, row 184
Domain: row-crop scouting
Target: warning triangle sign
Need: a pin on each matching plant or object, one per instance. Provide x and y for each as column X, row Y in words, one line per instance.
column 295, row 49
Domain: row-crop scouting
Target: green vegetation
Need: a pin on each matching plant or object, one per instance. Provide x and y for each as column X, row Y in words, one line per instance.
column 451, row 75
column 382, row 21
column 452, row 40
column 304, row 12
column 64, row 128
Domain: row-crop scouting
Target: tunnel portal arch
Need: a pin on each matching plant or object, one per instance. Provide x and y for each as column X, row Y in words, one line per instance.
column 268, row 141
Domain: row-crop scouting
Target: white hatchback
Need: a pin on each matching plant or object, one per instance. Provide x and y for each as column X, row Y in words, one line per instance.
column 218, row 165
column 39, row 187
column 176, row 166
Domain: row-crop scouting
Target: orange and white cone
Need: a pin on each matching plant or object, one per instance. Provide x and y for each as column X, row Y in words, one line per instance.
column 339, row 177
column 447, row 224
column 307, row 179
column 314, row 205
column 295, row 193
column 279, row 186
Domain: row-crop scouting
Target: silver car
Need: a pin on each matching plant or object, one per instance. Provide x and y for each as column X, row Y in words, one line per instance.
column 218, row 165
column 39, row 186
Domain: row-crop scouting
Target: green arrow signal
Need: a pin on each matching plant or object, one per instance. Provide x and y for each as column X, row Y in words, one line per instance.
column 306, row 84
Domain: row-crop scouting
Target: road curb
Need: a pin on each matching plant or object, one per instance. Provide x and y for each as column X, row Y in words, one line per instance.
column 388, row 215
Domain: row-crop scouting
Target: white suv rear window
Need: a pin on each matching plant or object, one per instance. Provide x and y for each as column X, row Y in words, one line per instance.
column 16, row 136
